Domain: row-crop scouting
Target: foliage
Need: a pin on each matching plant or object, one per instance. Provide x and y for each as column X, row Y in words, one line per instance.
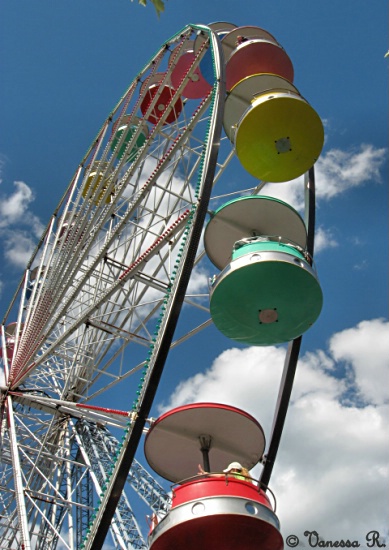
column 158, row 5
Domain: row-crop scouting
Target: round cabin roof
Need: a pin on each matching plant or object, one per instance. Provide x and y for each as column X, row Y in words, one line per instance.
column 250, row 216
column 173, row 446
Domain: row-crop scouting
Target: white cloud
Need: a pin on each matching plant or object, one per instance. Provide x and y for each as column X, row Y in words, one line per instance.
column 365, row 348
column 324, row 238
column 19, row 227
column 291, row 192
column 232, row 377
column 336, row 171
column 331, row 472
column 198, row 282
column 13, row 207
column 361, row 266
column 18, row 247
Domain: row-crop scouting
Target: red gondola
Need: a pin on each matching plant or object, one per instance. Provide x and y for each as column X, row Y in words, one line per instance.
column 215, row 510
column 161, row 97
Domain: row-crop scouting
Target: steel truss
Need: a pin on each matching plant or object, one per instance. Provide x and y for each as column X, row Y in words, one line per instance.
column 96, row 310
column 98, row 446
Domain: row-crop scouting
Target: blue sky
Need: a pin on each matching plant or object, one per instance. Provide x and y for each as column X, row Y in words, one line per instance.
column 64, row 65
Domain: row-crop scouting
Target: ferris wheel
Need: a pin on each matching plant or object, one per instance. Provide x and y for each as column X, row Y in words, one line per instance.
column 101, row 301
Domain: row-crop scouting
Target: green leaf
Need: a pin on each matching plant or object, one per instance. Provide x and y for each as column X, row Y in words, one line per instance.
column 158, row 5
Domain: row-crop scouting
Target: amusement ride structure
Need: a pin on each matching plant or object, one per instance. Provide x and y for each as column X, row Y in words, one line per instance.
column 104, row 298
